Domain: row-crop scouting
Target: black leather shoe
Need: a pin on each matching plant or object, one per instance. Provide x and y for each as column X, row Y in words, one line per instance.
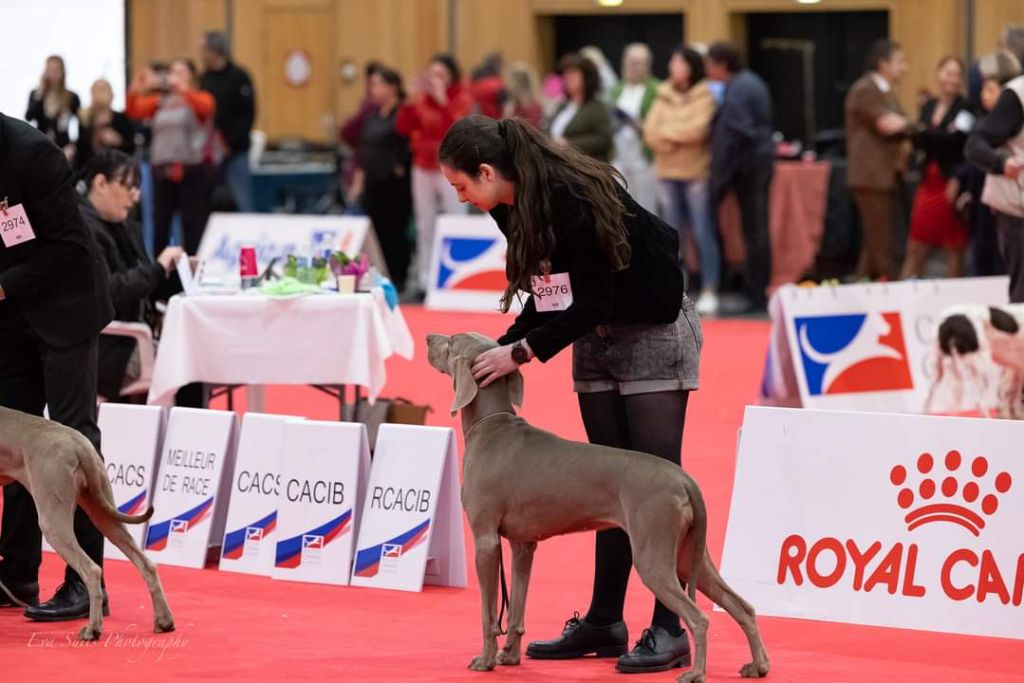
column 580, row 638
column 655, row 651
column 71, row 601
column 27, row 593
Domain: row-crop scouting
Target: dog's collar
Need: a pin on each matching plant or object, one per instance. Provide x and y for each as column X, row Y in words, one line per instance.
column 472, row 426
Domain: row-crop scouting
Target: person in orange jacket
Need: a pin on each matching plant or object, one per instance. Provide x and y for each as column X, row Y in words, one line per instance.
column 183, row 150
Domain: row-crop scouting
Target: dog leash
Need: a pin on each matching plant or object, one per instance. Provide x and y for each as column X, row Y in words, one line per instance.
column 502, row 630
column 19, row 603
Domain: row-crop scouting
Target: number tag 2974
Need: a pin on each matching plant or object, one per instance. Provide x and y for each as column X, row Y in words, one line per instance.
column 15, row 227
column 552, row 292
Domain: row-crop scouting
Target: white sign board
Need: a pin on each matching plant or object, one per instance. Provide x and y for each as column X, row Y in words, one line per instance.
column 868, row 347
column 907, row 521
column 131, row 442
column 323, row 475
column 249, row 535
column 276, row 236
column 467, row 269
column 411, row 527
column 194, row 458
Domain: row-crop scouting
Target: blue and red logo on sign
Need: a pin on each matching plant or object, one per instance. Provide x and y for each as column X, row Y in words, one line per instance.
column 472, row 263
column 133, row 506
column 845, row 354
column 289, row 550
column 157, row 534
column 234, row 541
column 368, row 559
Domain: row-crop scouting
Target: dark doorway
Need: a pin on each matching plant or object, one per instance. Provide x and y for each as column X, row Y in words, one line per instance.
column 834, row 45
column 662, row 33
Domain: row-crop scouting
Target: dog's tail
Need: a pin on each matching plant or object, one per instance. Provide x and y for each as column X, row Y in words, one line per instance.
column 99, row 489
column 700, row 537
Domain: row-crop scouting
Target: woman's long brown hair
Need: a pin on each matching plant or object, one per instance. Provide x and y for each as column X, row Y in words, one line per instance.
column 542, row 174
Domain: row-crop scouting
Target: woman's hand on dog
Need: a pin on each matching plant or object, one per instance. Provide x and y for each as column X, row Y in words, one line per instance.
column 493, row 364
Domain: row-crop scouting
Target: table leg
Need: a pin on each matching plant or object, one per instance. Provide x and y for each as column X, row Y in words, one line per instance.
column 255, row 395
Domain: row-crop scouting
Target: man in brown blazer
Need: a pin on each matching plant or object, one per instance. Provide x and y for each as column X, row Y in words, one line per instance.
column 875, row 126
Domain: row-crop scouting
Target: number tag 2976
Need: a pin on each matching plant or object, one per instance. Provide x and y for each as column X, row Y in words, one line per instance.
column 552, row 292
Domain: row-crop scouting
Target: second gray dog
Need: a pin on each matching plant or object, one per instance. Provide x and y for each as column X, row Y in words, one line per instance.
column 60, row 468
column 527, row 485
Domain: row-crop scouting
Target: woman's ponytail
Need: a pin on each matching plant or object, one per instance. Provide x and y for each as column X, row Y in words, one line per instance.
column 543, row 173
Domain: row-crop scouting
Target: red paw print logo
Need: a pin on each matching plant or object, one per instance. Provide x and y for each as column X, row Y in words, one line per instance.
column 960, row 496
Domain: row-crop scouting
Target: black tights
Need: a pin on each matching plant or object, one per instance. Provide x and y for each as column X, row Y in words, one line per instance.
column 649, row 423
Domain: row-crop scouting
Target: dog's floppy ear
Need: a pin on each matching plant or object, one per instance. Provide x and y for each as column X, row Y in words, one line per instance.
column 1003, row 321
column 515, row 388
column 465, row 384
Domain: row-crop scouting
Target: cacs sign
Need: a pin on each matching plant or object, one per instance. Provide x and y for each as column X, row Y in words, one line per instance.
column 880, row 519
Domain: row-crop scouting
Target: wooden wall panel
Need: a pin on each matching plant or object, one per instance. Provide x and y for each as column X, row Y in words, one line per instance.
column 924, row 47
column 990, row 16
column 163, row 29
column 399, row 33
column 265, row 33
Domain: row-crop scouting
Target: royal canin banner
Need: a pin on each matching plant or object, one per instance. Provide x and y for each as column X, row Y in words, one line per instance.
column 880, row 519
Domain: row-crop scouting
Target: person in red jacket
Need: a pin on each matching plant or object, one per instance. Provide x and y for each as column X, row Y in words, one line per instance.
column 182, row 151
column 437, row 100
column 488, row 86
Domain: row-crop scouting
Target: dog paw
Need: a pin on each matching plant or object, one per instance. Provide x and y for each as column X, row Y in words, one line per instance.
column 89, row 633
column 691, row 677
column 508, row 658
column 163, row 626
column 755, row 670
column 481, row 664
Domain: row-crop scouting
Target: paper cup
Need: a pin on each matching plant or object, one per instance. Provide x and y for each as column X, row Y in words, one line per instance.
column 346, row 284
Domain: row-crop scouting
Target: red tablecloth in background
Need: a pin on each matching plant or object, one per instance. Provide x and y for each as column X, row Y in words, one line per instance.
column 797, row 212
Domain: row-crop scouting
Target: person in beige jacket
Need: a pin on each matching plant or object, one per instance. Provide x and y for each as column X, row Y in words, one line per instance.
column 678, row 129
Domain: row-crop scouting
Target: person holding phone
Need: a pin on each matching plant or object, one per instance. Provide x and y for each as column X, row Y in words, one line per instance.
column 602, row 274
column 51, row 106
column 182, row 151
column 437, row 100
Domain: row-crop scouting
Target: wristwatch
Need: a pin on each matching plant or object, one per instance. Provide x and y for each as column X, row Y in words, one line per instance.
column 519, row 353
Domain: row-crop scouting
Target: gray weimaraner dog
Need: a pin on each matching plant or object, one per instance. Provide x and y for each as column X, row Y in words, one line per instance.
column 516, row 484
column 60, row 467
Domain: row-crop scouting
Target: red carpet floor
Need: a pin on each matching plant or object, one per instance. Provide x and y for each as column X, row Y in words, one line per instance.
column 252, row 629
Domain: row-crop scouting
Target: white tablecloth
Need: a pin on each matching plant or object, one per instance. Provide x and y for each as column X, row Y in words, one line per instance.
column 253, row 339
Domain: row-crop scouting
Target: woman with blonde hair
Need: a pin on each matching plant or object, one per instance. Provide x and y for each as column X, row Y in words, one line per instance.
column 51, row 106
column 524, row 100
column 101, row 127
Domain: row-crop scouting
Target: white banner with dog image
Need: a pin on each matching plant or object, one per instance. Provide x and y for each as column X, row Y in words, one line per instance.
column 131, row 445
column 250, row 533
column 192, row 486
column 411, row 526
column 324, row 472
column 878, row 519
column 867, row 347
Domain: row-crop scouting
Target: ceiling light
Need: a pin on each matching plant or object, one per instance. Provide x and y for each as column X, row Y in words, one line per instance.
column 609, row 3
column 808, row 2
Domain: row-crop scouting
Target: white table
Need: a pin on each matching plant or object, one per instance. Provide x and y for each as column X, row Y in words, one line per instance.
column 325, row 340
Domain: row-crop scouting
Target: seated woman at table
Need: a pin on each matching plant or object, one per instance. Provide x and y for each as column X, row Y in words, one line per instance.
column 135, row 280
